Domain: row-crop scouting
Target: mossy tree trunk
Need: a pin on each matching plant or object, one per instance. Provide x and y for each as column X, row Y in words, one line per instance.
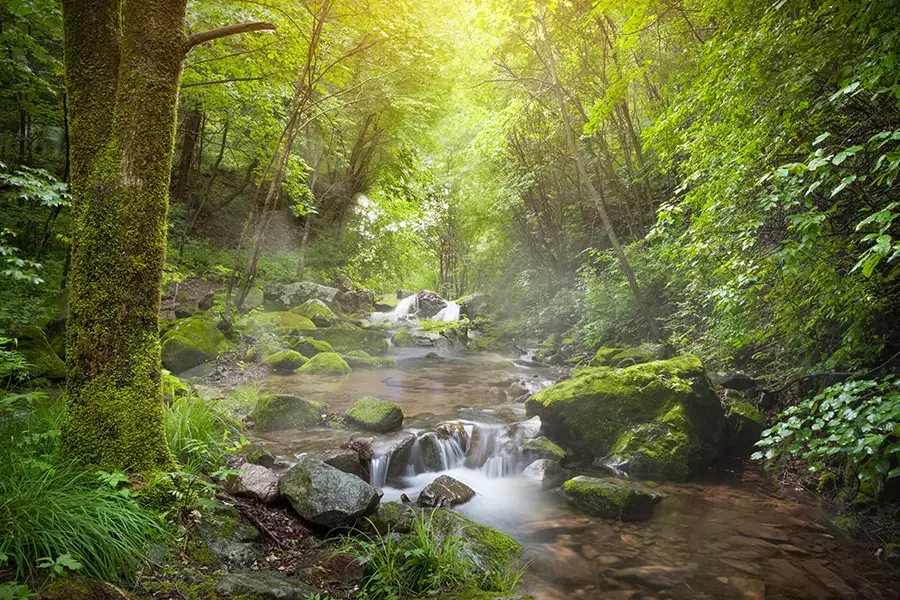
column 123, row 61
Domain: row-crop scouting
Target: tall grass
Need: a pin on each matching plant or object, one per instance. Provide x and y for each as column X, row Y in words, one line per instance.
column 199, row 432
column 50, row 507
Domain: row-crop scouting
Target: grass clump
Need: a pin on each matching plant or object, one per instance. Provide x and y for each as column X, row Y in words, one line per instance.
column 425, row 562
column 199, row 432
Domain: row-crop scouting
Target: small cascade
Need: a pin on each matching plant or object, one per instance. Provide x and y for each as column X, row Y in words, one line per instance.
column 378, row 470
column 492, row 451
column 448, row 313
column 405, row 307
column 432, row 452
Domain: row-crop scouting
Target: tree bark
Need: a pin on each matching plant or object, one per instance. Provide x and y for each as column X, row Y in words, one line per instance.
column 191, row 127
column 596, row 193
column 123, row 60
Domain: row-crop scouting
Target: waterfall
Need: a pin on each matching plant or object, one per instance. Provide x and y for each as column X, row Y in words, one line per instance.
column 378, row 470
column 404, row 307
column 448, row 313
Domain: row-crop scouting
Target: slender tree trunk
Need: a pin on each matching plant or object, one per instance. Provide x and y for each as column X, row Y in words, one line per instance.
column 191, row 127
column 595, row 192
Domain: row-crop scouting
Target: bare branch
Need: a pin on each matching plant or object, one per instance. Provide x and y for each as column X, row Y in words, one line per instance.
column 214, row 34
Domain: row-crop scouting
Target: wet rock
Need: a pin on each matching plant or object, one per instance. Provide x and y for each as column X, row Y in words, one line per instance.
column 222, row 536
column 285, row 411
column 284, row 296
column 827, row 578
column 655, row 576
column 656, row 420
column 257, row 454
column 327, row 496
column 285, row 361
column 433, row 355
column 546, row 472
column 254, row 481
column 344, row 460
column 517, row 391
column 437, row 455
column 430, row 303
column 750, row 589
column 453, row 430
column 475, row 306
column 191, row 342
column 309, row 347
column 541, row 447
column 398, row 450
column 362, row 446
column 611, row 500
column 445, row 492
column 481, row 447
column 357, row 301
column 329, row 363
column 264, row 585
column 526, row 430
column 486, row 548
column 317, row 312
column 374, row 414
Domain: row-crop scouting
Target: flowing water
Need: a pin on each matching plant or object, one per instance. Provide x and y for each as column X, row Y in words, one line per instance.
column 734, row 535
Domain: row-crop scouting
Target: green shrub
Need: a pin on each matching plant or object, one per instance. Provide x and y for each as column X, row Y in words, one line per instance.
column 849, row 429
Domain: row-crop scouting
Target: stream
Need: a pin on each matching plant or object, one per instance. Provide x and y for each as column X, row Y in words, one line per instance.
column 732, row 535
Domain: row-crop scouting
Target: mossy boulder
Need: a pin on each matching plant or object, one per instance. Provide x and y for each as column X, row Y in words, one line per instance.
column 745, row 425
column 326, row 362
column 285, row 360
column 284, row 411
column 403, row 339
column 287, row 319
column 361, row 358
column 374, row 414
column 541, row 447
column 221, row 536
column 346, row 338
column 486, row 548
column 42, row 360
column 317, row 312
column 603, row 498
column 77, row 587
column 191, row 342
column 626, row 357
column 659, row 419
column 309, row 347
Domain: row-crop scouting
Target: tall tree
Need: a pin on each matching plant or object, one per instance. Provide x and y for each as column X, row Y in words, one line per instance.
column 123, row 61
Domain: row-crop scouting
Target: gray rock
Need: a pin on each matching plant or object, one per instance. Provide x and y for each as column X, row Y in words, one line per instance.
column 227, row 537
column 517, row 391
column 344, row 460
column 265, row 585
column 445, row 492
column 454, row 430
column 327, row 496
column 399, row 448
column 254, row 481
column 430, row 304
column 546, row 472
column 283, row 296
column 525, row 430
column 435, row 454
column 541, row 447
column 357, row 301
column 475, row 306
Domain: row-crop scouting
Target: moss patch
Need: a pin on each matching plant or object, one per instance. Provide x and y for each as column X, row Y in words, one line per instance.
column 191, row 342
column 542, row 448
column 309, row 347
column 488, row 549
column 374, row 414
column 42, row 360
column 284, row 411
column 285, row 319
column 346, row 338
column 611, row 500
column 403, row 339
column 361, row 358
column 285, row 360
column 317, row 312
column 77, row 587
column 326, row 362
column 659, row 418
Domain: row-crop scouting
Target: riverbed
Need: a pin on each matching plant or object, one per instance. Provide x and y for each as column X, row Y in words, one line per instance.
column 732, row 534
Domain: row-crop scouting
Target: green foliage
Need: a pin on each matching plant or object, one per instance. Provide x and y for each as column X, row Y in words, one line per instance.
column 200, row 432
column 423, row 563
column 56, row 515
column 850, row 428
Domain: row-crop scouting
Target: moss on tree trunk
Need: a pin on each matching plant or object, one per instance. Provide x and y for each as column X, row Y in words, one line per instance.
column 123, row 61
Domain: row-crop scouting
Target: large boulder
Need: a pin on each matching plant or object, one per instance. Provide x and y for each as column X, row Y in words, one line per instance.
column 326, row 362
column 374, row 414
column 284, row 411
column 327, row 496
column 430, row 303
column 486, row 548
column 284, row 361
column 603, row 498
column 659, row 419
column 357, row 301
column 263, row 585
column 344, row 460
column 546, row 472
column 316, row 311
column 346, row 338
column 445, row 492
column 475, row 306
column 284, row 296
column 42, row 360
column 191, row 342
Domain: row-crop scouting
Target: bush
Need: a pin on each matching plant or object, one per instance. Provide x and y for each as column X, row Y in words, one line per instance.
column 851, row 426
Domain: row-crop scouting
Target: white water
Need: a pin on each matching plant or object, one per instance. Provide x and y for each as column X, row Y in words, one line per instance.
column 448, row 313
column 404, row 307
column 378, row 470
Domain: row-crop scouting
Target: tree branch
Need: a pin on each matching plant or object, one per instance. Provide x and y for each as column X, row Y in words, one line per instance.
column 214, row 34
column 218, row 81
